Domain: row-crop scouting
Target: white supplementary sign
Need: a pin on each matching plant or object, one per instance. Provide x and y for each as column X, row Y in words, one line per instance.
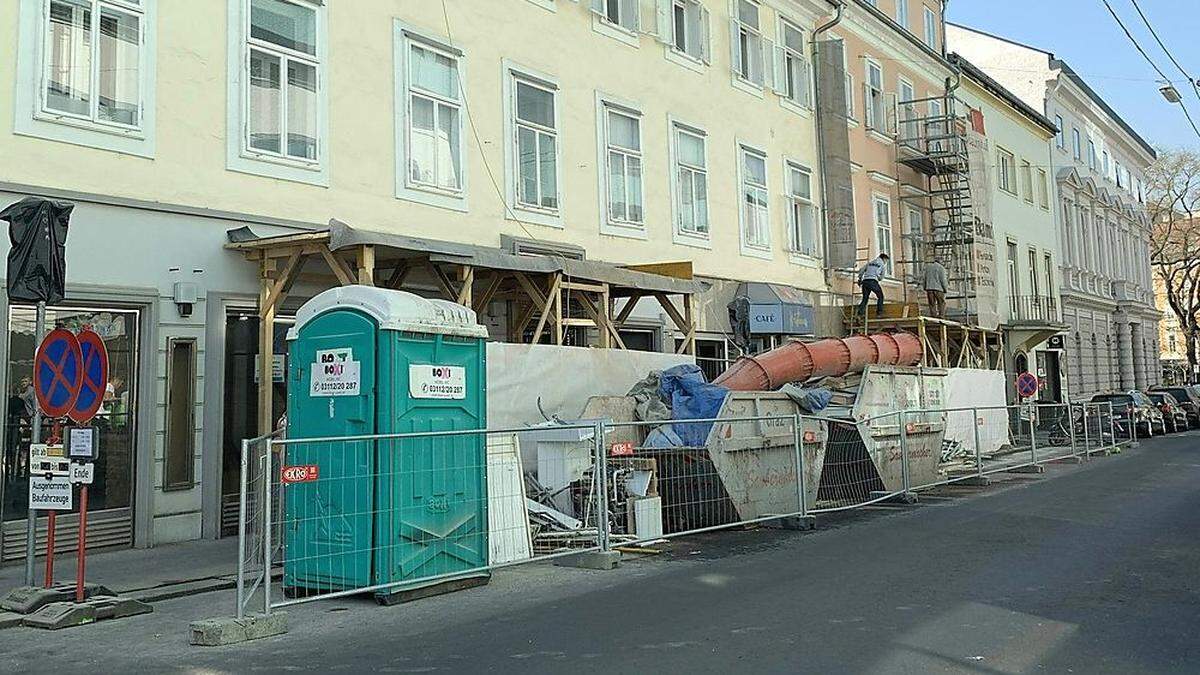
column 335, row 373
column 47, row 459
column 428, row 381
column 83, row 473
column 50, row 494
column 82, row 441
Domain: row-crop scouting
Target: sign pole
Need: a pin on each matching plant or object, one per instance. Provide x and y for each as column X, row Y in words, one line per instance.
column 82, row 550
column 35, row 436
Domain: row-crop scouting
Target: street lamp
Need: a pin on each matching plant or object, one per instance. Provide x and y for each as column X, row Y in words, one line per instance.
column 1170, row 93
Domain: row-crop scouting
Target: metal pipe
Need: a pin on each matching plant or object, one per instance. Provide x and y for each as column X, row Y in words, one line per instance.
column 839, row 9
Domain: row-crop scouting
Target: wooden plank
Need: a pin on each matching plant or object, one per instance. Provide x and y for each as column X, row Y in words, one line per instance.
column 343, row 276
column 546, row 307
column 466, row 274
column 620, row 319
column 266, row 349
column 689, row 315
column 283, row 280
column 489, row 293
column 681, row 269
column 672, row 311
column 366, row 265
column 557, row 297
column 531, row 288
column 443, row 281
column 580, row 286
column 399, row 275
column 608, row 332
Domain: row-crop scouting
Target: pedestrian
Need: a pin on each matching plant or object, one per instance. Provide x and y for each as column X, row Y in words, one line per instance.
column 935, row 288
column 868, row 279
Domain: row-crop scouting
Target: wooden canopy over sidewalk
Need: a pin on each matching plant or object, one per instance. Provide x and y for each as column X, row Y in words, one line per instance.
column 549, row 293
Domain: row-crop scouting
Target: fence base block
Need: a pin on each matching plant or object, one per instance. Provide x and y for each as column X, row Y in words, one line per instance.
column 217, row 632
column 974, row 481
column 29, row 599
column 389, row 598
column 591, row 560
column 1073, row 459
column 1032, row 468
column 792, row 523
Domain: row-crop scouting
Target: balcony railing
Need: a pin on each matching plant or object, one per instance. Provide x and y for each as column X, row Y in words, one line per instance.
column 1034, row 309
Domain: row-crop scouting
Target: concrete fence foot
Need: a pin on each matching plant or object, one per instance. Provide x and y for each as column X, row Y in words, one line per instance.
column 975, row 481
column 217, row 632
column 792, row 523
column 1032, row 468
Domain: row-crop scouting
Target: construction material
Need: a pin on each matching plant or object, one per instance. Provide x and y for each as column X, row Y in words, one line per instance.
column 831, row 357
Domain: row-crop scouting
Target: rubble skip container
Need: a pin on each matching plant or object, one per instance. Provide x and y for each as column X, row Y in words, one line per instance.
column 395, row 511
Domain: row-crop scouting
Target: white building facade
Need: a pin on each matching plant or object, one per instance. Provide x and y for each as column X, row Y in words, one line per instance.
column 1098, row 163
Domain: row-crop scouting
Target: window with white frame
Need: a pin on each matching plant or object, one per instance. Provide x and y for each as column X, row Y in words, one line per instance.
column 914, row 227
column 434, row 118
column 1048, row 271
column 1034, row 280
column 756, row 229
column 747, row 43
column 849, row 83
column 1043, row 190
column 535, row 141
column 281, row 94
column 1060, row 137
column 1105, row 166
column 623, row 160
column 876, row 117
column 931, row 28
column 691, row 181
column 802, row 214
column 687, row 32
column 1091, row 154
column 902, row 13
column 93, row 60
column 882, row 208
column 1120, row 176
column 937, row 127
column 905, row 93
column 1007, row 170
column 1027, row 181
column 793, row 79
column 1076, row 144
column 623, row 13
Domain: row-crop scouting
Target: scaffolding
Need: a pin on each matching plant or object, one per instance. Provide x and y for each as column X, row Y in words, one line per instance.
column 938, row 137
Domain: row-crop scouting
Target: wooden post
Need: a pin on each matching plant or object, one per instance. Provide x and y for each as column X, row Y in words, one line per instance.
column 924, row 340
column 604, row 318
column 689, row 315
column 266, row 347
column 466, row 276
column 366, row 265
column 558, row 309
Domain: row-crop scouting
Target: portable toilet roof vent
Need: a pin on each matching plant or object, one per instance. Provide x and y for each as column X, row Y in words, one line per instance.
column 393, row 310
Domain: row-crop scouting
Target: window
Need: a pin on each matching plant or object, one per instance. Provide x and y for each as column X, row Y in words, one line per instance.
column 1007, row 171
column 1034, row 281
column 1091, row 154
column 623, row 13
column 873, row 96
column 92, row 69
column 931, row 28
column 1014, row 288
column 1077, row 148
column 882, row 209
column 756, row 231
column 902, row 13
column 1060, row 137
column 936, row 127
column 1048, row 270
column 1104, row 165
column 792, row 81
column 802, row 215
column 281, row 95
column 747, row 43
column 1027, row 181
column 1043, row 190
column 849, row 84
column 914, row 228
column 535, row 144
column 691, row 182
column 179, row 453
column 688, row 30
column 908, row 111
column 623, row 160
column 1121, row 176
column 433, row 118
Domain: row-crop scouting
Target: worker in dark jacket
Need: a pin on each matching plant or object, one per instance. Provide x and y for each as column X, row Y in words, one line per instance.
column 868, row 279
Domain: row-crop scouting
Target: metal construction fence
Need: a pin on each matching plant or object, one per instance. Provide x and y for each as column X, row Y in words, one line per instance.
column 394, row 514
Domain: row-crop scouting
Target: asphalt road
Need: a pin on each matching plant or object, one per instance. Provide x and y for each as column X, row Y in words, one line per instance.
column 1087, row 569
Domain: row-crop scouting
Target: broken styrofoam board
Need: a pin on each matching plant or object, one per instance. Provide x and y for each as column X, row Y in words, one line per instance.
column 567, row 522
column 508, row 516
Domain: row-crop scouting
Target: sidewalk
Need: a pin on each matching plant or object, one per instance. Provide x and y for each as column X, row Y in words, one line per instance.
column 149, row 574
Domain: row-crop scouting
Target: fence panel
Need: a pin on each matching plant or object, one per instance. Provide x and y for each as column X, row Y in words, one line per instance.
column 707, row 474
column 253, row 488
column 864, row 463
column 1054, row 436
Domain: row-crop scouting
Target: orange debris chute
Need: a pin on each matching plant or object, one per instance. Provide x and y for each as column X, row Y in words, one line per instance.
column 831, row 357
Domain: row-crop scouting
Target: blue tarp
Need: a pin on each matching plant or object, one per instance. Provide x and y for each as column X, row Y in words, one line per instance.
column 690, row 398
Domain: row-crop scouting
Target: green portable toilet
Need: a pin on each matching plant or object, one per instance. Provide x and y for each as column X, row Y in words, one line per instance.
column 393, row 512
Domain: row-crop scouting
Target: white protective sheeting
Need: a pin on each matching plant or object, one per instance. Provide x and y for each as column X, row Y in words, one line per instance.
column 984, row 389
column 564, row 377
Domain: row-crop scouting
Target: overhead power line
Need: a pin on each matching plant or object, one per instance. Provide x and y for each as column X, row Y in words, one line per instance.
column 1150, row 61
column 1191, row 80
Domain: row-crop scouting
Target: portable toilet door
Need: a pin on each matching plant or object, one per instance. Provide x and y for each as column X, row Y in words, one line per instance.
column 328, row 524
column 432, row 494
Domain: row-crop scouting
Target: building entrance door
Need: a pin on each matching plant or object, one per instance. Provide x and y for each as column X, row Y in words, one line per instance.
column 110, row 498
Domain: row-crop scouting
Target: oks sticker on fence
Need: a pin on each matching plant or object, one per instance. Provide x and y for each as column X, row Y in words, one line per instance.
column 335, row 373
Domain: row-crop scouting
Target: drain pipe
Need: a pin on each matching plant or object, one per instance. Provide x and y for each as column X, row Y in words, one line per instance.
column 840, row 8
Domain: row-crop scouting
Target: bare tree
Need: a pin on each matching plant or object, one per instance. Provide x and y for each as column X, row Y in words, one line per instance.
column 1173, row 205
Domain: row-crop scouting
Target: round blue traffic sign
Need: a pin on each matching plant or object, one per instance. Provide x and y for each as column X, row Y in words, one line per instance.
column 1027, row 384
column 94, row 355
column 57, row 372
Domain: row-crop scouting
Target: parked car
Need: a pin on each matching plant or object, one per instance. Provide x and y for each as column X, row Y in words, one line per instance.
column 1133, row 407
column 1173, row 414
column 1187, row 398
